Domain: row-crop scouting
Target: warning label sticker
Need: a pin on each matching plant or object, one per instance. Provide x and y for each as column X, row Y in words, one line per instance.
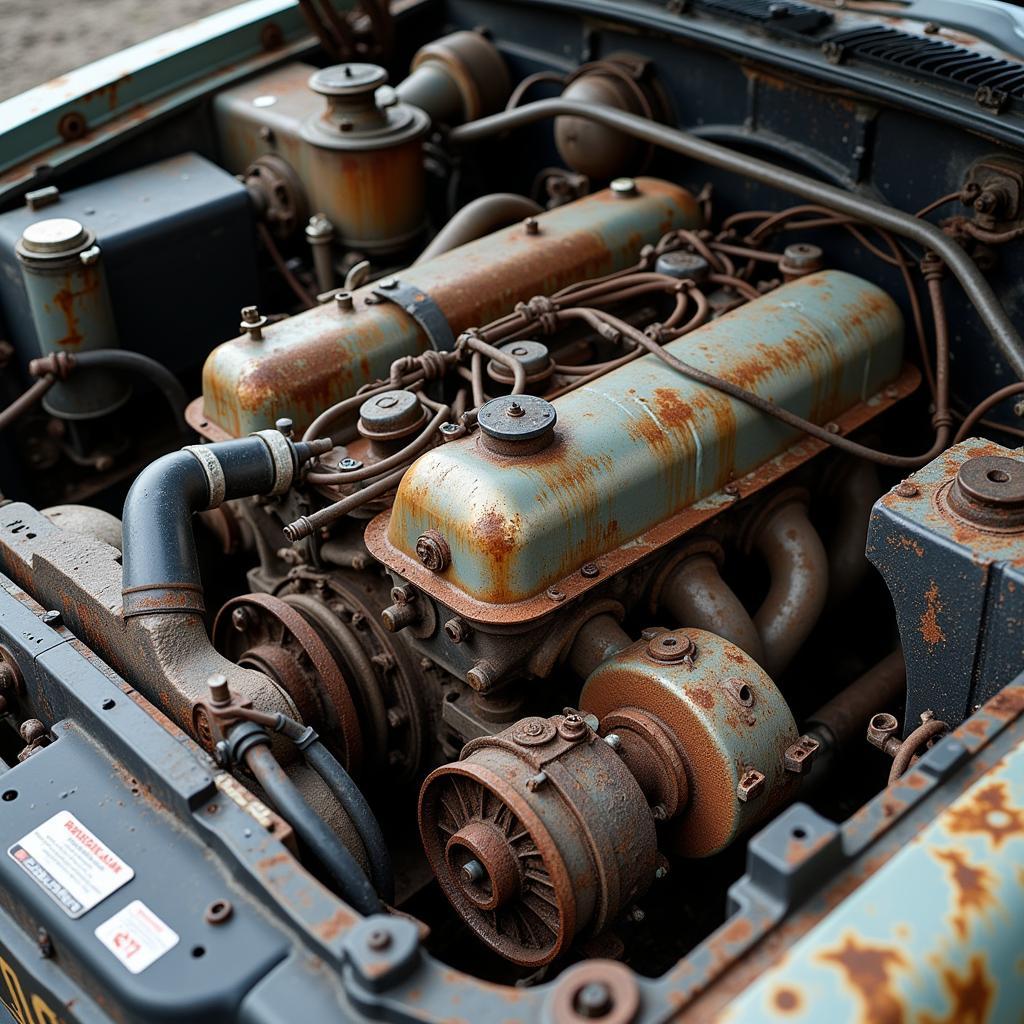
column 70, row 863
column 136, row 936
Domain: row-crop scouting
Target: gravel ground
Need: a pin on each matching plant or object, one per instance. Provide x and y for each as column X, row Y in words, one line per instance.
column 41, row 39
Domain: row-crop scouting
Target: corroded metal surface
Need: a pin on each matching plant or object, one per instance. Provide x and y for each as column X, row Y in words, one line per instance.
column 641, row 444
column 957, row 584
column 308, row 362
column 538, row 835
column 934, row 937
column 726, row 715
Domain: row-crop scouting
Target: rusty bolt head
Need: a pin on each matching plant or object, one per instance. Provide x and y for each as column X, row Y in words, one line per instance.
column 433, row 551
column 732, row 489
column 481, row 677
column 594, row 1000
column 533, row 732
column 218, row 912
column 458, row 630
column 907, row 490
column 751, row 785
column 378, row 940
column 532, row 226
column 556, row 595
column 589, row 570
column 798, row 756
column 572, row 727
column 672, row 646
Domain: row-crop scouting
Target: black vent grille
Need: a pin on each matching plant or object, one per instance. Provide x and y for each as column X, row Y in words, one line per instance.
column 787, row 16
column 993, row 80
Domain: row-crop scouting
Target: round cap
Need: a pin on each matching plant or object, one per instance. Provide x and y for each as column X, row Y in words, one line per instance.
column 517, row 424
column 54, row 236
column 348, row 79
column 686, row 266
column 531, row 355
column 989, row 490
column 394, row 413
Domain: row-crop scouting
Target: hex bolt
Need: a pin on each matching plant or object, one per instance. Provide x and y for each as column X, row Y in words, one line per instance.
column 473, row 872
column 613, row 740
column 433, row 551
column 52, row 618
column 589, row 570
column 458, row 630
column 532, row 226
column 285, row 426
column 751, row 785
column 624, row 188
column 594, row 1000
column 378, row 940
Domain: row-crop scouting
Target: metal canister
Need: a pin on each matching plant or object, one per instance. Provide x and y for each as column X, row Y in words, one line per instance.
column 365, row 159
column 71, row 311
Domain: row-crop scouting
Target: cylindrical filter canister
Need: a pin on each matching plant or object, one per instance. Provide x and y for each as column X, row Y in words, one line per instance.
column 66, row 288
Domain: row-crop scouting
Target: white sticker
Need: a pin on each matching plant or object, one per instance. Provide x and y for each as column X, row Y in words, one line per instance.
column 70, row 863
column 136, row 936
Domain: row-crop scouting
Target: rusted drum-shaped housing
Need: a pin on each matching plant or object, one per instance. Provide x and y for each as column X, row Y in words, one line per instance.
column 726, row 716
column 306, row 363
column 537, row 835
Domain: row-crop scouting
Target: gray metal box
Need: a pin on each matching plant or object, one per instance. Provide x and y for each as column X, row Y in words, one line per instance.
column 178, row 246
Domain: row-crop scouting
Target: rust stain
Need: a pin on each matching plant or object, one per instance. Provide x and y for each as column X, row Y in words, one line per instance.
column 931, row 631
column 990, row 813
column 971, row 995
column 972, row 885
column 870, row 971
column 787, row 1000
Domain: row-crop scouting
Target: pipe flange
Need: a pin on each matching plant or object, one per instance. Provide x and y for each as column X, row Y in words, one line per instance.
column 214, row 473
column 283, row 457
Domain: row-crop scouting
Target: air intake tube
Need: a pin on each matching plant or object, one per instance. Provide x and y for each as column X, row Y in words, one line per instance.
column 161, row 567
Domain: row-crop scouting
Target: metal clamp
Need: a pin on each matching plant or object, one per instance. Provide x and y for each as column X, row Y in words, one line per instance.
column 213, row 470
column 422, row 308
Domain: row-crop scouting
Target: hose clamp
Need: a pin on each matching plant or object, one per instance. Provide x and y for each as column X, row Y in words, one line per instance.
column 281, row 455
column 213, row 470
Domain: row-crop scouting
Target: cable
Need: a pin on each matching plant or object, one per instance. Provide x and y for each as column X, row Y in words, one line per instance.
column 353, row 885
column 978, row 412
column 926, row 234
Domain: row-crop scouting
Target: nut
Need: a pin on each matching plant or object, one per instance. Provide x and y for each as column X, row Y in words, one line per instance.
column 433, row 551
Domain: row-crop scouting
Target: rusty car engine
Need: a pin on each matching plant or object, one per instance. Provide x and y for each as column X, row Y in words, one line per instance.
column 545, row 497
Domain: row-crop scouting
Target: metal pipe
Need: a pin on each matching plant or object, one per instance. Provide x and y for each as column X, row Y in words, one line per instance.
column 597, row 640
column 478, row 218
column 696, row 595
column 798, row 565
column 328, row 849
column 905, row 225
column 161, row 567
column 840, row 723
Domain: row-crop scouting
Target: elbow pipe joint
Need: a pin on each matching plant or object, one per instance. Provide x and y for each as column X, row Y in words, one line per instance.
column 160, row 563
column 691, row 589
column 798, row 566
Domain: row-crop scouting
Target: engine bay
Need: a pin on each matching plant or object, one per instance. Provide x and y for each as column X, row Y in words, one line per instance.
column 554, row 479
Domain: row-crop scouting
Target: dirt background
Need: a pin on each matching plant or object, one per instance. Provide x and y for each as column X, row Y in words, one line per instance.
column 41, row 39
